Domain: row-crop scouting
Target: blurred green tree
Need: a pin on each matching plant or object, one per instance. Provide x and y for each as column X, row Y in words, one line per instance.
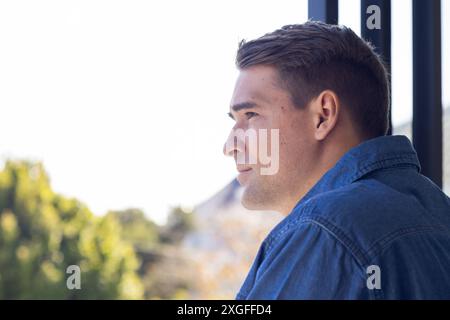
column 179, row 224
column 42, row 233
column 137, row 229
column 165, row 270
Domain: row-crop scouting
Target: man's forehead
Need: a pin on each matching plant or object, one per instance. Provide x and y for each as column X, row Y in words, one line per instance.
column 253, row 78
column 254, row 98
column 257, row 85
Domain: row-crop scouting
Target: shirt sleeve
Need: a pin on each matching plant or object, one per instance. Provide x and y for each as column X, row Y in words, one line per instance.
column 308, row 263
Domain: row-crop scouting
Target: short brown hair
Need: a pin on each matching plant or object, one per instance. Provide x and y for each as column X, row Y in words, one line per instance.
column 316, row 56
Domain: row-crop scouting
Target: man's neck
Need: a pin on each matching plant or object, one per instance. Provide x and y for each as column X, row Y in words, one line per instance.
column 327, row 158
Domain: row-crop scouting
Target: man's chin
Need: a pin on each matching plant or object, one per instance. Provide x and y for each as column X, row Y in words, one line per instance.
column 250, row 201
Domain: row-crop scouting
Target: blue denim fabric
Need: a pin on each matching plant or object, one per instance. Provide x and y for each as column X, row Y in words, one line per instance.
column 372, row 208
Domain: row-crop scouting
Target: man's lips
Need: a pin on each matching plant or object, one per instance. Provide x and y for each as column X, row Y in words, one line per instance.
column 243, row 169
column 244, row 173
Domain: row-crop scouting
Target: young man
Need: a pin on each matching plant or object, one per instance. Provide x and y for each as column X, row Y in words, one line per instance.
column 361, row 221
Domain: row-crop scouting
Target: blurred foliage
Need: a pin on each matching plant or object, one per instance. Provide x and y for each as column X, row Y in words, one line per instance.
column 122, row 255
column 42, row 233
column 179, row 224
column 166, row 271
column 137, row 229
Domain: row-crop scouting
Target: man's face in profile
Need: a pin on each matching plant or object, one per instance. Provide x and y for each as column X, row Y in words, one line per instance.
column 259, row 102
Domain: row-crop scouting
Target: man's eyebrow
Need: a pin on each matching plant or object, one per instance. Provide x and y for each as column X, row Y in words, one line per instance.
column 243, row 105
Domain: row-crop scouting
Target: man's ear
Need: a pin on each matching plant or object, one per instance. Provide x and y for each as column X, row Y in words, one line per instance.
column 325, row 108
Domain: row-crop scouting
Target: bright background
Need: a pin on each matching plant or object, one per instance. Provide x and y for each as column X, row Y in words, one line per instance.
column 125, row 102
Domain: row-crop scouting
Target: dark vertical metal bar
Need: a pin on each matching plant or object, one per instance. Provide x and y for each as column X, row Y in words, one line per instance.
column 379, row 38
column 323, row 10
column 427, row 99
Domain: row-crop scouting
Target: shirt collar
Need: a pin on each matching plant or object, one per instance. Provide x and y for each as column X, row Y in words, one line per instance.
column 370, row 155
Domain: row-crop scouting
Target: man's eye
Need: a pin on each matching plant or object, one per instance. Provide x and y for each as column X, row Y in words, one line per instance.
column 250, row 114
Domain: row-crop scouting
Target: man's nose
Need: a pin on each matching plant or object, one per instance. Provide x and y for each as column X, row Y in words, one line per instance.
column 232, row 146
column 225, row 150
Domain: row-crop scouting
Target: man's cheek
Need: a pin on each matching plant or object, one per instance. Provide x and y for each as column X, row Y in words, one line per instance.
column 269, row 151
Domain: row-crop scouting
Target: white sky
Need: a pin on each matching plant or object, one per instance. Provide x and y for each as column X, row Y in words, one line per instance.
column 125, row 102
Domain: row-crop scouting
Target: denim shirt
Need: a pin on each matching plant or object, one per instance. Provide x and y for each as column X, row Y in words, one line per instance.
column 372, row 227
